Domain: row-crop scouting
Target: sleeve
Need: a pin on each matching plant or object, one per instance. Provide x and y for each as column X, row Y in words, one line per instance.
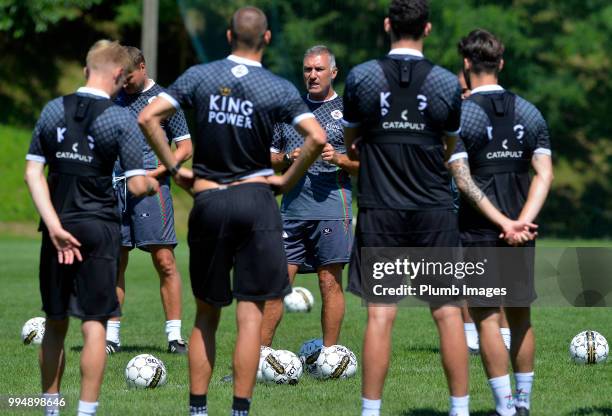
column 35, row 152
column 130, row 148
column 542, row 137
column 452, row 126
column 181, row 93
column 351, row 116
column 292, row 108
column 460, row 152
column 278, row 144
column 176, row 127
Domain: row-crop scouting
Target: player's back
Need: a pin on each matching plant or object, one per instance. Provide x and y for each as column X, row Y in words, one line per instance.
column 403, row 122
column 499, row 147
column 237, row 103
column 81, row 156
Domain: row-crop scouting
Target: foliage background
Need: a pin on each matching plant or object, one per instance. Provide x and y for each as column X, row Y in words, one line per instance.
column 557, row 56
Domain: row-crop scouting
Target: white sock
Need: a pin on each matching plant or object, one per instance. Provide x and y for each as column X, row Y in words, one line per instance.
column 53, row 409
column 524, row 382
column 505, row 333
column 112, row 331
column 471, row 336
column 459, row 406
column 502, row 393
column 370, row 407
column 173, row 330
column 87, row 408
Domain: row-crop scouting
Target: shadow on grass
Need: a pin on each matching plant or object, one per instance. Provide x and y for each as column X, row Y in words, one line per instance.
column 140, row 349
column 422, row 348
column 432, row 412
column 592, row 411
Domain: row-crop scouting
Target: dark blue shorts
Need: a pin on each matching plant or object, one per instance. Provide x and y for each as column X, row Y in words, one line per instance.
column 148, row 220
column 314, row 243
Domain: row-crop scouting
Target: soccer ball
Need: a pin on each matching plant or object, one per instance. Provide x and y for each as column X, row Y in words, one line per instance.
column 309, row 352
column 263, row 353
column 281, row 367
column 336, row 361
column 589, row 347
column 33, row 331
column 299, row 300
column 145, row 372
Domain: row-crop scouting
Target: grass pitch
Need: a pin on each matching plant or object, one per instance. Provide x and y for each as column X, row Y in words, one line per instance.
column 415, row 385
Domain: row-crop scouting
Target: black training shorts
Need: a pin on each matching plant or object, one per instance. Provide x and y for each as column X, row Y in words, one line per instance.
column 402, row 228
column 237, row 227
column 85, row 290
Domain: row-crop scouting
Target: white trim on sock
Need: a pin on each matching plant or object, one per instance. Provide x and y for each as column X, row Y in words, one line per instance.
column 112, row 331
column 370, row 407
column 87, row 408
column 173, row 329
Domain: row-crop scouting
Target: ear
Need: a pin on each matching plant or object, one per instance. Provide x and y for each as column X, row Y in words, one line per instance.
column 86, row 72
column 427, row 30
column 334, row 73
column 501, row 65
column 467, row 64
column 387, row 25
column 228, row 35
column 267, row 37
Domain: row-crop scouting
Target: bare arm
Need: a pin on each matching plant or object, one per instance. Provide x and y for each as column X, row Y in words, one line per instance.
column 149, row 120
column 314, row 140
column 449, row 146
column 512, row 230
column 540, row 185
column 183, row 152
column 278, row 161
column 330, row 155
column 351, row 137
column 67, row 246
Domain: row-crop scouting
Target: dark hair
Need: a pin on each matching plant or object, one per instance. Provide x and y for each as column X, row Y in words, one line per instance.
column 408, row 18
column 136, row 57
column 248, row 26
column 483, row 49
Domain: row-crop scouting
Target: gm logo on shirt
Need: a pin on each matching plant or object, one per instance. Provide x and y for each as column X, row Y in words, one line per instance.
column 224, row 109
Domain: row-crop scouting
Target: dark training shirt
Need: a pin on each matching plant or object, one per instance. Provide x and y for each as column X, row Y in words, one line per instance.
column 237, row 104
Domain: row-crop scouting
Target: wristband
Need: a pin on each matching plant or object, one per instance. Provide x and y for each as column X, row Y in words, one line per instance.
column 174, row 169
column 288, row 159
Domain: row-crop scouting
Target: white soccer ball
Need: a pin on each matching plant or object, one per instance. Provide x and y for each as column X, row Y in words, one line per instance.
column 281, row 367
column 299, row 300
column 145, row 372
column 589, row 347
column 263, row 353
column 33, row 331
column 309, row 352
column 336, row 361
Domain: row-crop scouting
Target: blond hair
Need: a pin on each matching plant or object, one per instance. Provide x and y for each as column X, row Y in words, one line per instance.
column 104, row 54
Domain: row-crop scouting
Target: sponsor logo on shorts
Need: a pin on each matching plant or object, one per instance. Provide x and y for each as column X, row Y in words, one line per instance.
column 145, row 215
column 327, row 231
column 285, row 235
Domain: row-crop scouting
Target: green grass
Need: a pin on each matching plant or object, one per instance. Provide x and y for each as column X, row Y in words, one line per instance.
column 415, row 385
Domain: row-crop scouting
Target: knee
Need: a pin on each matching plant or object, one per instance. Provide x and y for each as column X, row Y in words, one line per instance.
column 165, row 263
column 381, row 317
column 56, row 327
column 446, row 314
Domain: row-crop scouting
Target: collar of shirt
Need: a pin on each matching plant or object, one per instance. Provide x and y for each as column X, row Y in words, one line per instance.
column 244, row 61
column 333, row 97
column 93, row 91
column 487, row 88
column 406, row 51
column 151, row 84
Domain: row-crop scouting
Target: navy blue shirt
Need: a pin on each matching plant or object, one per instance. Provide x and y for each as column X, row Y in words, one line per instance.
column 423, row 178
column 175, row 127
column 237, row 104
column 507, row 191
column 324, row 193
column 113, row 134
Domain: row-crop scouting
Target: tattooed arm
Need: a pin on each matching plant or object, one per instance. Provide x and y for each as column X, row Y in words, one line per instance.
column 513, row 232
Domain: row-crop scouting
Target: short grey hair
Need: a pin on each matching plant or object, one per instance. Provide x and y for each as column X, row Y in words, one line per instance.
column 319, row 50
